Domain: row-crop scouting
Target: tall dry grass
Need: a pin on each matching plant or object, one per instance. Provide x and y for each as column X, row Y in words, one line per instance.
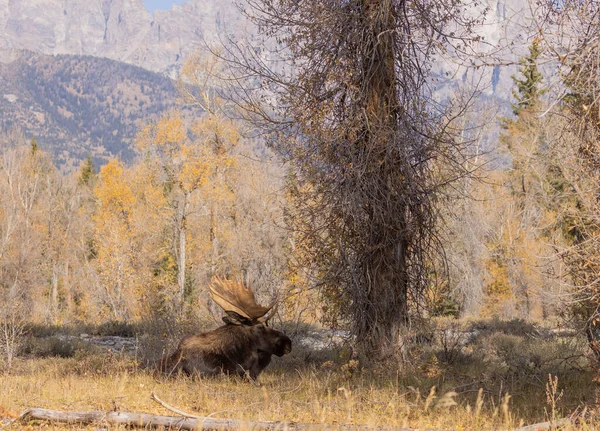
column 500, row 380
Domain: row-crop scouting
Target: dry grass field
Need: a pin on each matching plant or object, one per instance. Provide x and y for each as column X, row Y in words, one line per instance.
column 505, row 378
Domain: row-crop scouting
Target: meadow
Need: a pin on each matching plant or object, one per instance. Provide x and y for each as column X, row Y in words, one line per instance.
column 478, row 375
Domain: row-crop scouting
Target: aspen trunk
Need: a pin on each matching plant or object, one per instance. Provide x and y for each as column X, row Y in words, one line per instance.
column 54, row 295
column 181, row 264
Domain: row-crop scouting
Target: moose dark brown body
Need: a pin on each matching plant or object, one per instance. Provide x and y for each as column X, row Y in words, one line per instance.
column 230, row 349
column 243, row 346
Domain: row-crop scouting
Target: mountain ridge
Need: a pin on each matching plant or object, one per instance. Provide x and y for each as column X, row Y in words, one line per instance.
column 80, row 105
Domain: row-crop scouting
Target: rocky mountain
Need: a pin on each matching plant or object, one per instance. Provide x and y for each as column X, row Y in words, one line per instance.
column 58, row 83
column 120, row 30
column 80, row 105
column 124, row 30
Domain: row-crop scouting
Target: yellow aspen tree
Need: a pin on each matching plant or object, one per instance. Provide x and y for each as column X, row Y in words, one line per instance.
column 57, row 223
column 244, row 196
column 152, row 221
column 115, row 240
column 218, row 136
column 201, row 86
column 182, row 166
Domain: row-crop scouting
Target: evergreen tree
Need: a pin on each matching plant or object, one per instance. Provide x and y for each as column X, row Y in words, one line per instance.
column 88, row 172
column 528, row 88
column 34, row 146
column 518, row 254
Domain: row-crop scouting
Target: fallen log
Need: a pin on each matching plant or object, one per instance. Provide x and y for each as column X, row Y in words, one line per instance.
column 145, row 420
column 544, row 426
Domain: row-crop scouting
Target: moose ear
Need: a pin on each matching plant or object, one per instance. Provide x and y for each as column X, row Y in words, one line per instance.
column 233, row 318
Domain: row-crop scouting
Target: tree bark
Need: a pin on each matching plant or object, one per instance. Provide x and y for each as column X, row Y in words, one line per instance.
column 385, row 265
column 54, row 295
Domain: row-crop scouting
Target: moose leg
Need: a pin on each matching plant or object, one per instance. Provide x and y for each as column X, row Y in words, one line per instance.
column 264, row 359
column 249, row 368
column 259, row 361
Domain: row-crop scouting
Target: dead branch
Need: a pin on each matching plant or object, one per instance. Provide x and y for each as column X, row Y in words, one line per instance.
column 173, row 409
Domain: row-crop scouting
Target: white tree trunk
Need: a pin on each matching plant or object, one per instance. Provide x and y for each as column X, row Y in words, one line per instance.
column 181, row 264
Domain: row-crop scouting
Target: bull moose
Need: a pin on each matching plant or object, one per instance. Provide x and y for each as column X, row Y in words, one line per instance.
column 243, row 346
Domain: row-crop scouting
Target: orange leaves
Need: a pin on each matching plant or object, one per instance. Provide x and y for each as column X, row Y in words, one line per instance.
column 8, row 414
column 196, row 164
column 144, row 138
column 190, row 158
column 498, row 283
column 170, row 130
column 167, row 134
column 114, row 238
column 113, row 192
column 192, row 168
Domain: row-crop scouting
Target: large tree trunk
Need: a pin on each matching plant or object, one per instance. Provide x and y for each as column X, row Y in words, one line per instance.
column 384, row 268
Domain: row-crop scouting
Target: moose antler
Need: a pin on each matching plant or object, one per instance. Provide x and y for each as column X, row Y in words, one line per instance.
column 234, row 296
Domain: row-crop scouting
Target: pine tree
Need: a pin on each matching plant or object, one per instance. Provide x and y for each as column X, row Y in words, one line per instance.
column 528, row 88
column 34, row 145
column 525, row 228
column 88, row 172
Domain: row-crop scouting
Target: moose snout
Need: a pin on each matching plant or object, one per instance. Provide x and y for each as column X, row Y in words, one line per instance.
column 285, row 347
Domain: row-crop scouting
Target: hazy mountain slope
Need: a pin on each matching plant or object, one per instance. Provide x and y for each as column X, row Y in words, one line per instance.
column 75, row 105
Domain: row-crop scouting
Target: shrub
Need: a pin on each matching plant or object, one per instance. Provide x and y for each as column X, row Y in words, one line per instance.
column 55, row 347
column 116, row 328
